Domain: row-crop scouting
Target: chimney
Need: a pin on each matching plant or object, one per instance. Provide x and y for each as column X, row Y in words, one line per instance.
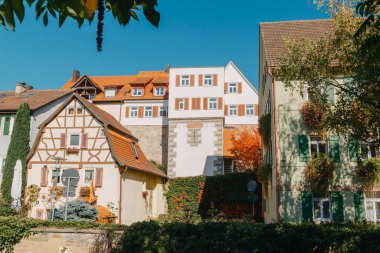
column 167, row 69
column 20, row 87
column 76, row 75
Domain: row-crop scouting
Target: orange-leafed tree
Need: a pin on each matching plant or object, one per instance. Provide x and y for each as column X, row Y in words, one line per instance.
column 245, row 145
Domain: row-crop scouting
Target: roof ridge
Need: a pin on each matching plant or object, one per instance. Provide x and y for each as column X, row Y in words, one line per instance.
column 296, row 21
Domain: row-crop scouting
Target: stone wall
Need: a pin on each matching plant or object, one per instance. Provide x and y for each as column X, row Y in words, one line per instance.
column 52, row 240
column 153, row 141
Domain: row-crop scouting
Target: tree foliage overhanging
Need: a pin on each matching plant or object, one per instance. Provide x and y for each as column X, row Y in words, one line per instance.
column 80, row 11
column 318, row 65
column 18, row 149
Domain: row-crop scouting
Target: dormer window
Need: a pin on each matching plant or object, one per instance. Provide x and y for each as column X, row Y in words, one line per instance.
column 110, row 92
column 135, row 150
column 137, row 92
column 159, row 91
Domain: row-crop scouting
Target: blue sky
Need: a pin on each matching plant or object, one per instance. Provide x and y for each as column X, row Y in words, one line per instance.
column 191, row 33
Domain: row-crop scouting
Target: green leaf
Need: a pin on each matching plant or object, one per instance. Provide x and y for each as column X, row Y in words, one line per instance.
column 45, row 18
column 150, row 13
column 39, row 12
column 19, row 9
column 62, row 18
column 8, row 13
column 134, row 15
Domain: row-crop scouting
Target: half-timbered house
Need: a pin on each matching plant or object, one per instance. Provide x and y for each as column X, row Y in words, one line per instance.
column 83, row 137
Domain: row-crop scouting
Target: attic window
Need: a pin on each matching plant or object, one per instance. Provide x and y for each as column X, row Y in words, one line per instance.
column 135, row 150
column 110, row 92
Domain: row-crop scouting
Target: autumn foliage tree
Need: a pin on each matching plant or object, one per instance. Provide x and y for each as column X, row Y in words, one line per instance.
column 245, row 145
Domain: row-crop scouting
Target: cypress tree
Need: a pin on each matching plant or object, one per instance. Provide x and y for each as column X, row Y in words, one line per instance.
column 18, row 149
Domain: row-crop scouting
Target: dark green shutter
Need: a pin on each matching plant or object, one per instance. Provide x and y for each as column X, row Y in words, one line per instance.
column 7, row 124
column 338, row 212
column 330, row 94
column 353, row 150
column 334, row 148
column 303, row 142
column 348, row 83
column 359, row 206
column 307, row 206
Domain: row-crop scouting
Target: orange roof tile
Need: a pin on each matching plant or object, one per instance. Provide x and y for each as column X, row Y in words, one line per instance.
column 227, row 143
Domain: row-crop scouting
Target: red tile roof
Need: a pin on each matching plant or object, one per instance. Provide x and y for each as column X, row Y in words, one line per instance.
column 275, row 34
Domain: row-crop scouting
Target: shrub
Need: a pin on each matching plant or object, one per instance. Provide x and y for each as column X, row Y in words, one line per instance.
column 312, row 116
column 77, row 210
column 84, row 191
column 265, row 129
column 319, row 174
column 159, row 166
column 368, row 173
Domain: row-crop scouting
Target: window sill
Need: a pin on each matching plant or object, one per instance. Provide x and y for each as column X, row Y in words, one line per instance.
column 72, row 150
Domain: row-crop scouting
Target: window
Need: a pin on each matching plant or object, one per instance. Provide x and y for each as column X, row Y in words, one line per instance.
column 135, row 150
column 74, row 140
column 137, row 92
column 368, row 151
column 212, row 103
column 91, row 96
column 88, row 175
column 306, row 91
column 148, row 111
column 71, row 110
column 317, row 146
column 163, row 112
column 207, row 80
column 56, row 173
column 110, row 92
column 372, row 209
column 321, row 209
column 79, row 110
column 159, row 91
column 249, row 110
column 134, row 112
column 232, row 88
column 185, row 80
column 233, row 110
column 182, row 104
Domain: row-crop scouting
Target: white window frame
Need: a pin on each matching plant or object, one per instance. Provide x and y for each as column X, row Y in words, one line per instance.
column 185, row 80
column 373, row 200
column 317, row 142
column 321, row 200
column 84, row 176
column 306, row 91
column 232, row 89
column 208, row 80
column 135, row 92
column 134, row 149
column 235, row 109
column 181, row 104
column 59, row 176
column 134, row 112
column 148, row 111
column 163, row 111
column 69, row 140
column 111, row 91
column 159, row 94
column 250, row 110
column 212, row 104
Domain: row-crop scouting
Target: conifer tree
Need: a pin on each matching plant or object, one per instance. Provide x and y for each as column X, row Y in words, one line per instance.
column 18, row 149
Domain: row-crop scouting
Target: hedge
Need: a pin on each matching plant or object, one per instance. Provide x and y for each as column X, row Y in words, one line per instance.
column 207, row 196
column 249, row 237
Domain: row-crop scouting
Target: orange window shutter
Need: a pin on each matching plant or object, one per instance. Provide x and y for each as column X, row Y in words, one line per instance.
column 198, row 103
column 241, row 110
column 177, row 79
column 177, row 104
column 191, row 80
column 141, row 112
column 225, row 88
column 220, row 103
column 226, row 110
column 204, row 103
column 194, row 104
column 127, row 112
column 99, row 177
column 63, row 140
column 155, row 111
column 186, row 103
column 256, row 110
column 215, row 80
column 84, row 140
column 200, row 80
column 44, row 177
column 239, row 88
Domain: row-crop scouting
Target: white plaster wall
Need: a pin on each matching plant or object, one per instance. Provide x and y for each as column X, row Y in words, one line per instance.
column 195, row 92
column 249, row 95
column 112, row 108
column 5, row 139
column 145, row 121
column 195, row 160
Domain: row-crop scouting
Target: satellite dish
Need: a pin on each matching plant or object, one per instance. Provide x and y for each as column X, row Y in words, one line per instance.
column 252, row 186
column 71, row 175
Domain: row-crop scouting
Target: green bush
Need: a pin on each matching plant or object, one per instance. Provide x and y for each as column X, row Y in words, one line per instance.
column 77, row 210
column 368, row 173
column 249, row 237
column 159, row 166
column 265, row 129
column 319, row 174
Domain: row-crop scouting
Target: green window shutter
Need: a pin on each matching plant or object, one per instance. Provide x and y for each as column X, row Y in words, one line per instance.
column 338, row 212
column 353, row 150
column 330, row 94
column 348, row 83
column 303, row 142
column 7, row 124
column 334, row 148
column 307, row 208
column 359, row 206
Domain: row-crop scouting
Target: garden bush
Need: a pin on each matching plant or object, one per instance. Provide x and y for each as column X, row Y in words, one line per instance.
column 319, row 174
column 368, row 173
column 249, row 237
column 77, row 210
